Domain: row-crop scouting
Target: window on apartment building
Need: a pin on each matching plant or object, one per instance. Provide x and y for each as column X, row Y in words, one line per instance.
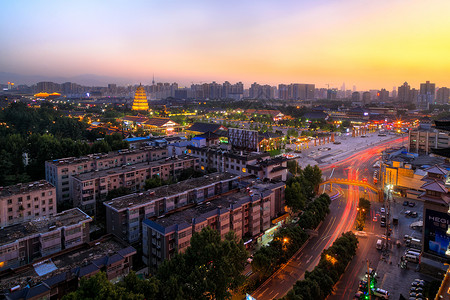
column 28, row 205
column 19, row 199
column 50, row 208
column 50, row 193
column 43, row 202
column 43, row 209
column 9, row 209
column 10, row 218
column 28, row 197
column 36, row 199
column 36, row 206
column 29, row 213
column 36, row 214
column 9, row 201
column 50, row 201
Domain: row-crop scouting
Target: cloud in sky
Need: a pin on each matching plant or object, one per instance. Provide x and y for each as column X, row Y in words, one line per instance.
column 372, row 44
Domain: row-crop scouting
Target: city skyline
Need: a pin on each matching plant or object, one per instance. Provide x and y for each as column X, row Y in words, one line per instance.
column 370, row 45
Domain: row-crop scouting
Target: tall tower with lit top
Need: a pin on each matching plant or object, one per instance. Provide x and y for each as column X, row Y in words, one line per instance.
column 140, row 99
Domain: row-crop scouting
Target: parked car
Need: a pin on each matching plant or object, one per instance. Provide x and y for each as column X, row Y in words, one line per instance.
column 382, row 210
column 412, row 204
column 408, row 212
column 414, row 214
column 405, row 203
column 359, row 295
column 381, row 293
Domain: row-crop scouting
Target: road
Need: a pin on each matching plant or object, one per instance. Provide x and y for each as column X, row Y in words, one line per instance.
column 341, row 219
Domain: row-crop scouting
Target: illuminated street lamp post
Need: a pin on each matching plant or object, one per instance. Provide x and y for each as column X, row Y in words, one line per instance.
column 285, row 241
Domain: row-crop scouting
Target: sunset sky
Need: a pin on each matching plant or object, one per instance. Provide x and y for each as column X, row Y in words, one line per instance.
column 370, row 44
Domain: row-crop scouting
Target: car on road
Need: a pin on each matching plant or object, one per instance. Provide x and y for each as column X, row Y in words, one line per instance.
column 337, row 143
column 414, row 214
column 382, row 210
column 375, row 218
column 364, row 179
column 412, row 204
column 405, row 203
column 383, row 224
column 383, row 294
column 408, row 213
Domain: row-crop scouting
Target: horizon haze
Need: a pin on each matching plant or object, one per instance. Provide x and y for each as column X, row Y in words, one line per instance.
column 370, row 44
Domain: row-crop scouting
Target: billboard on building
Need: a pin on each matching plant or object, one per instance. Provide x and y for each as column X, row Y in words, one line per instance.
column 241, row 139
column 436, row 240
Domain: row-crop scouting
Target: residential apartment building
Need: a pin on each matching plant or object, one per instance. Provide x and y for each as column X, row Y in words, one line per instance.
column 90, row 188
column 125, row 214
column 239, row 162
column 59, row 171
column 422, row 140
column 106, row 255
column 248, row 212
column 20, row 244
column 26, row 201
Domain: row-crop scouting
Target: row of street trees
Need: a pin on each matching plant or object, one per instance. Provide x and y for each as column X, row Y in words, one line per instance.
column 319, row 283
column 209, row 269
column 289, row 239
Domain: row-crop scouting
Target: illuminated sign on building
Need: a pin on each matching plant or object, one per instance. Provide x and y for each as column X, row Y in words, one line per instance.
column 436, row 240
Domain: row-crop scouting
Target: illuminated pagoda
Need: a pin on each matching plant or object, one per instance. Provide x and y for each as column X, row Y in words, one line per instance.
column 140, row 99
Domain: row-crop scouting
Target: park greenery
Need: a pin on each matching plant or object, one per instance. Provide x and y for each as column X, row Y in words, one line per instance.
column 41, row 134
column 210, row 268
column 319, row 283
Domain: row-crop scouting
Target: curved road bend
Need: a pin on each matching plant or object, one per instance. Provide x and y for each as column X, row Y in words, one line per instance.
column 341, row 219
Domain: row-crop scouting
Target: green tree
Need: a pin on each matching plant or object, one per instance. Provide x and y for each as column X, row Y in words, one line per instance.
column 208, row 269
column 148, row 288
column 293, row 166
column 295, row 199
column 98, row 287
column 291, row 132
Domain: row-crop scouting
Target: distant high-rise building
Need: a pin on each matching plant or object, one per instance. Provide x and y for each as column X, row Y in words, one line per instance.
column 394, row 92
column 383, row 95
column 366, row 97
column 404, row 93
column 296, row 91
column 426, row 95
column 331, row 94
column 443, row 95
column 140, row 99
column 48, row 87
column 258, row 91
column 356, row 97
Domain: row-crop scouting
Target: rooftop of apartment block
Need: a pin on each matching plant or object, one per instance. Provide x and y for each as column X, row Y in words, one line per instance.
column 242, row 155
column 42, row 225
column 206, row 209
column 80, row 260
column 168, row 190
column 24, row 188
column 202, row 211
column 128, row 168
column 97, row 156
